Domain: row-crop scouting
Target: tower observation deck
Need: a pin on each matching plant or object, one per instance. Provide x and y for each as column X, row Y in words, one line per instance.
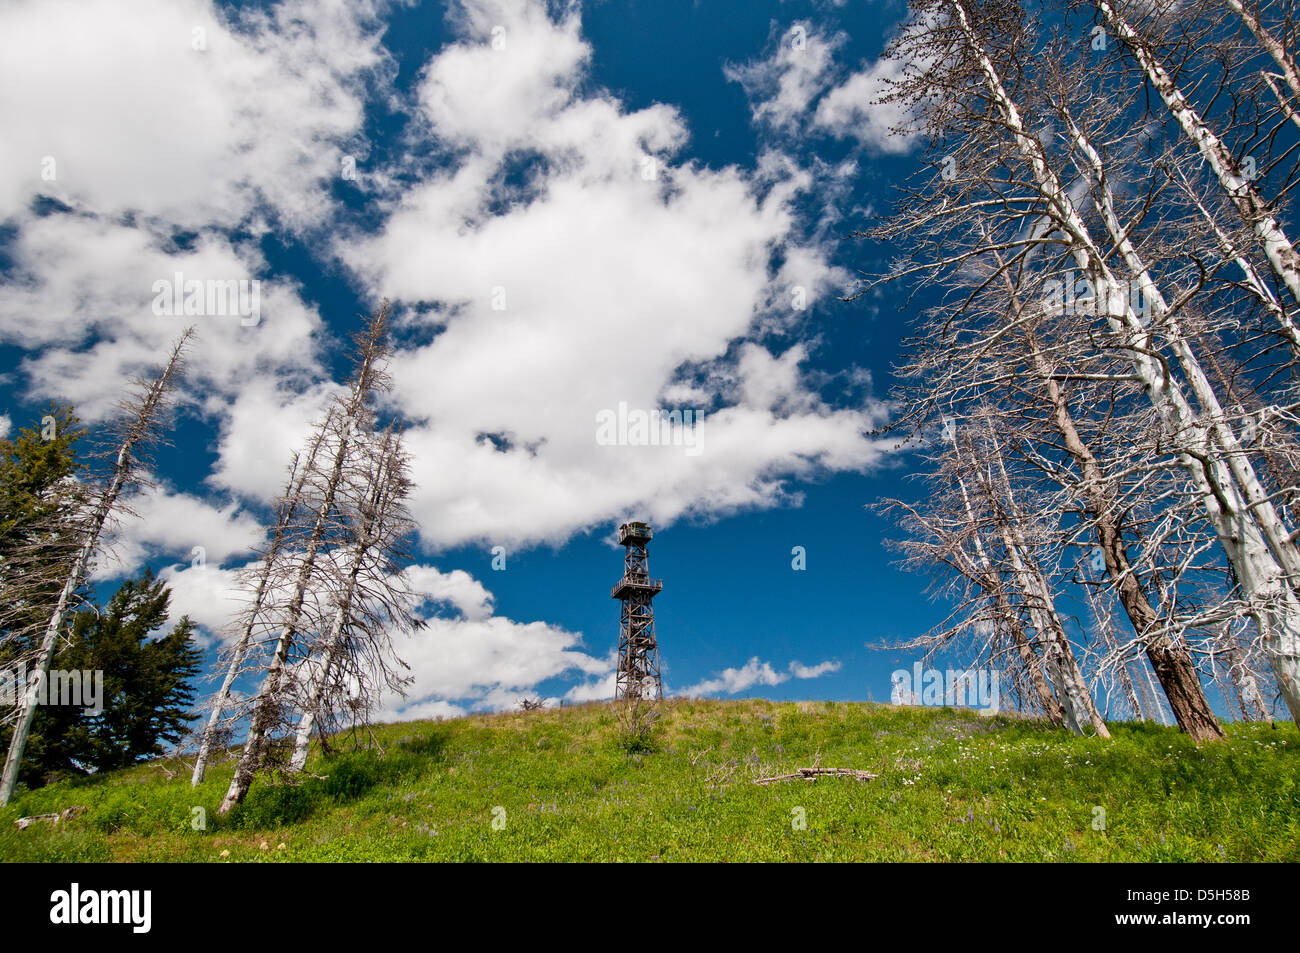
column 638, row 648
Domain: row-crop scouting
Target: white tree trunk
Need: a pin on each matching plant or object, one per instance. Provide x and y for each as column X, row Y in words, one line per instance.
column 1071, row 688
column 303, row 740
column 1265, row 543
column 292, row 501
column 1286, row 63
column 122, row 468
column 1033, row 665
column 1240, row 539
column 1254, row 283
column 1277, row 247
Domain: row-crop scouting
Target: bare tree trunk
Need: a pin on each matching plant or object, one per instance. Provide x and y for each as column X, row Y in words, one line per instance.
column 1024, row 648
column 142, row 427
column 267, row 703
column 1172, row 663
column 1071, row 689
column 1254, row 211
column 302, row 742
column 293, row 490
column 1285, row 61
column 1254, row 283
column 373, row 553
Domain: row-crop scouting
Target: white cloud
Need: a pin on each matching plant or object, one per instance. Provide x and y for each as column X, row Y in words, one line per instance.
column 5, row 426
column 854, row 109
column 510, row 77
column 485, row 663
column 782, row 88
column 164, row 126
column 796, row 90
column 425, row 711
column 210, row 596
column 813, row 671
column 458, row 588
column 92, row 282
column 598, row 689
column 163, row 522
column 260, row 428
column 756, row 672
column 136, row 118
column 593, row 286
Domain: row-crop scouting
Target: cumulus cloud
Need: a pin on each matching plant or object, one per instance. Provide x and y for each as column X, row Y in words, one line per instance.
column 167, row 523
column 856, row 108
column 783, row 86
column 457, row 588
column 163, row 137
column 597, row 689
column 209, row 595
column 799, row 88
column 617, row 274
column 176, row 112
column 91, row 280
column 485, row 664
column 756, row 672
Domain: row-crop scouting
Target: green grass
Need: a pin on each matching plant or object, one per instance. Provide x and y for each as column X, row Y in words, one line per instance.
column 952, row 786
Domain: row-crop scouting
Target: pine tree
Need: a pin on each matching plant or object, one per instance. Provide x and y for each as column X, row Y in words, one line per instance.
column 146, row 684
column 40, row 499
column 133, row 435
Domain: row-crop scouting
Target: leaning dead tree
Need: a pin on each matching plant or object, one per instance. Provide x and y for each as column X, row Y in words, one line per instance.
column 1133, row 334
column 259, row 579
column 140, row 427
column 972, row 526
column 307, row 588
column 352, row 664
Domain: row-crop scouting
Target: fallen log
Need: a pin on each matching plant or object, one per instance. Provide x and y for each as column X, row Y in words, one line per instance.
column 812, row 774
column 67, row 814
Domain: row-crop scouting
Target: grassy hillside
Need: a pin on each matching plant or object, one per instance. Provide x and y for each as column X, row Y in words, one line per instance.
column 952, row 786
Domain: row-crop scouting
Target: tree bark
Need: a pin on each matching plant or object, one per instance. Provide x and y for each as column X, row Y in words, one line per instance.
column 267, row 704
column 1254, row 212
column 140, row 429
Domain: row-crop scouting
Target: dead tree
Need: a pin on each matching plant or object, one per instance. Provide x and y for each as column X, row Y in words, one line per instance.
column 1250, row 205
column 141, row 426
column 317, row 521
column 952, row 531
column 974, row 79
column 261, row 580
column 352, row 662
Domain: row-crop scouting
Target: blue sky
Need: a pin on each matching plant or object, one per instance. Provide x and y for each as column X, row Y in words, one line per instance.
column 495, row 152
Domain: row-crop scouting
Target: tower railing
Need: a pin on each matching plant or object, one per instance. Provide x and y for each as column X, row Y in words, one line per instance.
column 635, row 582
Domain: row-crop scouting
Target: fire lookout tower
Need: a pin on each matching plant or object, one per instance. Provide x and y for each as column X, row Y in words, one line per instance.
column 638, row 650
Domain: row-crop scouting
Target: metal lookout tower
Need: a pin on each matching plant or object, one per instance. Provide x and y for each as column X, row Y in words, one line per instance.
column 638, row 650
